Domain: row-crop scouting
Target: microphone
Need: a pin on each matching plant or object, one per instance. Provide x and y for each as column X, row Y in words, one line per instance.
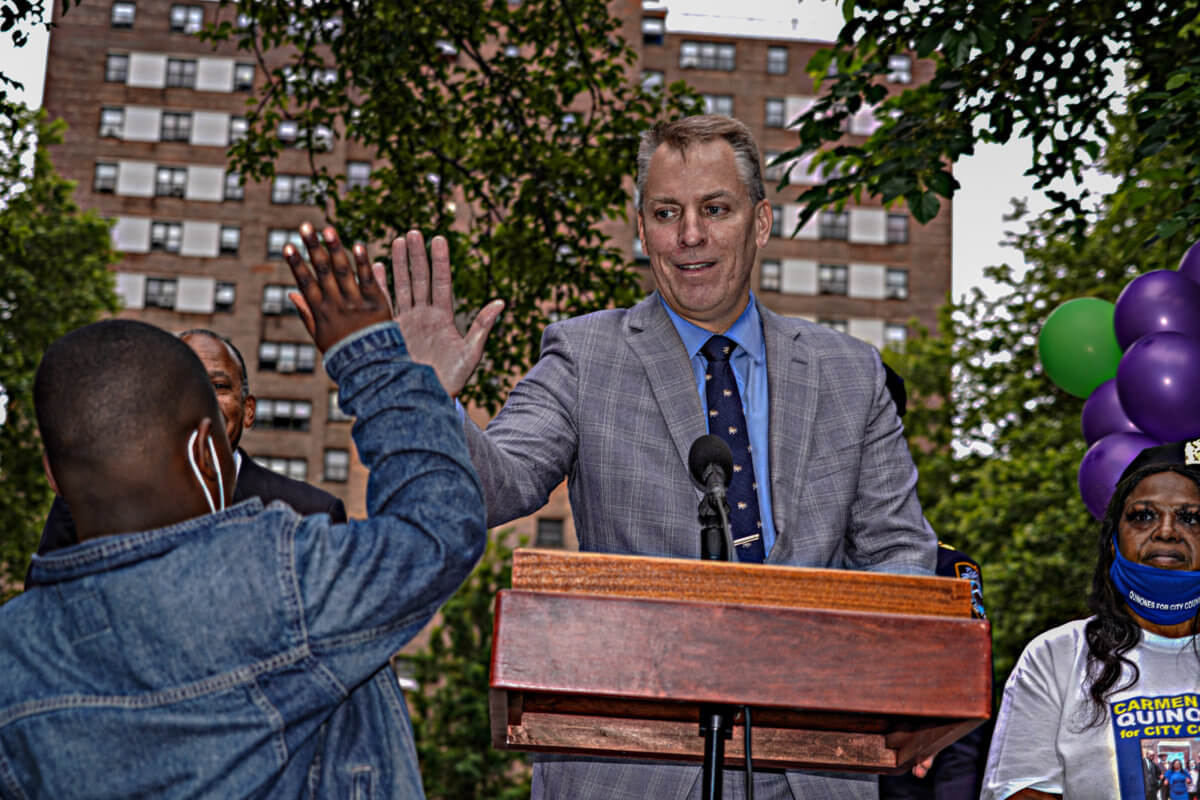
column 711, row 462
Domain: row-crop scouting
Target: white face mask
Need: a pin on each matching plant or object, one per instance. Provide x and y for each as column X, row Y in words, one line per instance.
column 212, row 448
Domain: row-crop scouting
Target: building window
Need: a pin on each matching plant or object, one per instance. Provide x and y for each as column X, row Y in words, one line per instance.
column 322, row 138
column 224, row 296
column 772, row 276
column 238, row 126
column 243, row 77
column 834, row 224
column 166, row 236
column 337, row 465
column 116, row 68
column 112, row 121
column 288, row 131
column 897, row 229
column 122, row 14
column 549, row 532
column 775, row 117
column 358, row 174
column 231, row 239
column 832, row 279
column 170, row 181
column 771, row 171
column 335, row 410
column 654, row 29
column 777, row 220
column 284, row 415
column 160, row 292
column 234, row 190
column 187, row 19
column 105, row 180
column 181, row 73
column 895, row 334
column 896, row 284
column 708, row 55
column 718, row 104
column 652, row 80
column 176, row 126
column 286, row 356
column 294, row 468
column 276, row 301
column 777, row 61
column 291, row 189
column 278, row 237
column 839, row 325
column 899, row 69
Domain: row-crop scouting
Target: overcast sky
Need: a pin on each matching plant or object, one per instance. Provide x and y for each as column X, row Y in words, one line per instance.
column 989, row 179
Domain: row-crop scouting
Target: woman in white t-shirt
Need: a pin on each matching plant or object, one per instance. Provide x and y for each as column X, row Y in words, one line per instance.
column 1089, row 699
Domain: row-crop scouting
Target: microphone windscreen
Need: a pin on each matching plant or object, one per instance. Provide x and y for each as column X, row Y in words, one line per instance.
column 710, row 449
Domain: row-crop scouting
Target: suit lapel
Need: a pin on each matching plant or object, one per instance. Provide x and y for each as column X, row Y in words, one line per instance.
column 793, row 378
column 652, row 337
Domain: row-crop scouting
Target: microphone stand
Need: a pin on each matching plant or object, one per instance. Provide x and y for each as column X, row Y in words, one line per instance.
column 716, row 721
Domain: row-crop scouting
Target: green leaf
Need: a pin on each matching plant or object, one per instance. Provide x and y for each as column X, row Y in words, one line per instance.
column 924, row 206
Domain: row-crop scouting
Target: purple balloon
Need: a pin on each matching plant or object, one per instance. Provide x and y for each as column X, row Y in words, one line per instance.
column 1102, row 466
column 1102, row 414
column 1158, row 383
column 1189, row 265
column 1162, row 300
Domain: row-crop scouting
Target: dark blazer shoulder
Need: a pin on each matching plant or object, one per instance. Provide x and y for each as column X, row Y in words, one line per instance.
column 255, row 480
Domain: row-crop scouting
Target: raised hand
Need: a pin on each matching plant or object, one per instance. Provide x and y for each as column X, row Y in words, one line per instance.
column 424, row 310
column 340, row 298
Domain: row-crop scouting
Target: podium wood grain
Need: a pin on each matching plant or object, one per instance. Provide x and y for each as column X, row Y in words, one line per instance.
column 612, row 655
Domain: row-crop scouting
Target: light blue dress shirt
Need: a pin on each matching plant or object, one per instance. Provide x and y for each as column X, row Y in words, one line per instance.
column 750, row 370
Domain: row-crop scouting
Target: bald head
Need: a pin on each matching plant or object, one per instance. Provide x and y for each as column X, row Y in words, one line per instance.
column 115, row 402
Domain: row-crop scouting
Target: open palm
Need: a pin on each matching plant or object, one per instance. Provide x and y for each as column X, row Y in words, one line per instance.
column 424, row 309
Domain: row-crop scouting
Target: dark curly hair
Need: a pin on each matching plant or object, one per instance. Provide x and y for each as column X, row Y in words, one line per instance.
column 1113, row 631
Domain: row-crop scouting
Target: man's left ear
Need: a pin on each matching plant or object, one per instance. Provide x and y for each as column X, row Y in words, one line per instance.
column 248, row 412
column 763, row 217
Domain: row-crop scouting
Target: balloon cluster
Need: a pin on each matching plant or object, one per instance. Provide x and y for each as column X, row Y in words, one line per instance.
column 1137, row 363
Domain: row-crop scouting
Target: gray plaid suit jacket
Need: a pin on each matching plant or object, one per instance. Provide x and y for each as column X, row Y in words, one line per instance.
column 612, row 405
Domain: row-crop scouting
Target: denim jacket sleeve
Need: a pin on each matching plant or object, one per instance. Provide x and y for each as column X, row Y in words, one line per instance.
column 368, row 586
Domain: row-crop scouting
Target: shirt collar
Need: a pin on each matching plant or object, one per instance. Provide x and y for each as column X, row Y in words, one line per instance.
column 746, row 331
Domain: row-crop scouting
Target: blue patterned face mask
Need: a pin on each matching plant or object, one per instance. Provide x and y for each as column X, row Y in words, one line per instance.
column 1161, row 596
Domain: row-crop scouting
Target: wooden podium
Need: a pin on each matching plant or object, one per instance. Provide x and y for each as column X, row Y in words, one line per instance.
column 848, row 671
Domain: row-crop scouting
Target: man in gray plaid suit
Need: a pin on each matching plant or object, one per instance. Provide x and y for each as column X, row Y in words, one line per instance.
column 617, row 398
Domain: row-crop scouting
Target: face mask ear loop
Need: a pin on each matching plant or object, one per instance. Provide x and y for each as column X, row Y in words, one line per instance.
column 199, row 477
column 212, row 448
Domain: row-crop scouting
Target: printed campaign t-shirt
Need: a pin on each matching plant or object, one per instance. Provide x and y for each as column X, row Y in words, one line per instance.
column 1040, row 741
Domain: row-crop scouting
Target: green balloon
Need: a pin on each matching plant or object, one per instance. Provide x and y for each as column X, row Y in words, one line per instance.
column 1078, row 345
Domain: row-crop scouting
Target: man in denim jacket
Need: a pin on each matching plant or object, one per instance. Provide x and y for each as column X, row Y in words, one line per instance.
column 243, row 653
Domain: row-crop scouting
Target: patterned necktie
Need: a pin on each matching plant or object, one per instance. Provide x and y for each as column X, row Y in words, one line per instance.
column 727, row 420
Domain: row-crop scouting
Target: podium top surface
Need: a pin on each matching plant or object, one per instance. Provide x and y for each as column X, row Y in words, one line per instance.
column 749, row 584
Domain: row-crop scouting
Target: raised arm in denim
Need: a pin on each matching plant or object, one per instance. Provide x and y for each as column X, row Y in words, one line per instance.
column 368, row 586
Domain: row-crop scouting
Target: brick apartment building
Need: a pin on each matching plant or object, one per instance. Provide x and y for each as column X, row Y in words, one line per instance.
column 151, row 110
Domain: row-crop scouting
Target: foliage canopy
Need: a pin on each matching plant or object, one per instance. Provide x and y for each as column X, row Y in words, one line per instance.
column 1044, row 69
column 509, row 128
